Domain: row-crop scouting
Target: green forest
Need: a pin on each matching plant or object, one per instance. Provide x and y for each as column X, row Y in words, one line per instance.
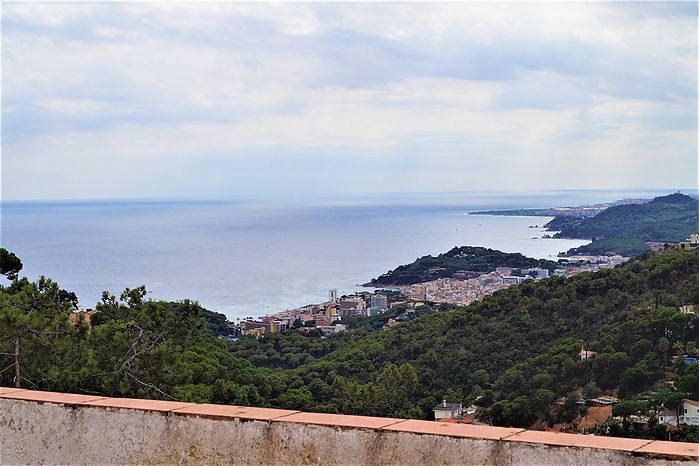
column 670, row 218
column 627, row 247
column 514, row 353
column 459, row 259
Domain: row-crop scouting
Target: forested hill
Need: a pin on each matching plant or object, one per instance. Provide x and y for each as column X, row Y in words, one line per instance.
column 459, row 259
column 515, row 352
column 518, row 348
column 669, row 218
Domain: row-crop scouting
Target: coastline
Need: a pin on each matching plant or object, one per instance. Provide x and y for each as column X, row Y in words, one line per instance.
column 243, row 261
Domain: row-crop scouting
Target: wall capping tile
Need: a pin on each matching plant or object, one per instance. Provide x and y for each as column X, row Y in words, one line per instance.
column 453, row 430
column 4, row 390
column 50, row 397
column 137, row 403
column 339, row 420
column 233, row 412
column 578, row 440
column 637, row 447
column 670, row 449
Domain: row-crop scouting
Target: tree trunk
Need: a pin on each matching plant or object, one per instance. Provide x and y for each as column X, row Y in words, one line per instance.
column 17, row 362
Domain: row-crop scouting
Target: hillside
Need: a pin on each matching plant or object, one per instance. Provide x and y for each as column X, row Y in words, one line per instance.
column 515, row 352
column 626, row 247
column 517, row 349
column 574, row 212
column 459, row 259
column 669, row 218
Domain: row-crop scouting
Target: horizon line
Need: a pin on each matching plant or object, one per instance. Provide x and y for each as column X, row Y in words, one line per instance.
column 242, row 197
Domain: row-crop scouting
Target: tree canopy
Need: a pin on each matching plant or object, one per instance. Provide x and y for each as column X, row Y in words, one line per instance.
column 10, row 264
column 669, row 218
column 514, row 353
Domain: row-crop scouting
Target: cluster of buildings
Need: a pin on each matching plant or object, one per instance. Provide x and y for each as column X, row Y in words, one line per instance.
column 454, row 290
column 326, row 316
column 466, row 290
column 576, row 264
column 691, row 243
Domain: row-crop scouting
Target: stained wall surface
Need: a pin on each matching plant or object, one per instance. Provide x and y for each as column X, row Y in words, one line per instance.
column 51, row 428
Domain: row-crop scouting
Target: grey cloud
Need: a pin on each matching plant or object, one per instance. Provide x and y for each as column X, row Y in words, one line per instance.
column 154, row 67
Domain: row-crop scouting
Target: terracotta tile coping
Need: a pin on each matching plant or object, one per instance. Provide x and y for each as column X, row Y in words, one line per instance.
column 4, row 390
column 453, row 430
column 671, row 449
column 577, row 440
column 340, row 420
column 135, row 403
column 234, row 412
column 637, row 446
column 50, row 397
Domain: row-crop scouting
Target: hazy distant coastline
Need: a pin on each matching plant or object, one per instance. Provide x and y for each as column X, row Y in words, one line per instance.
column 254, row 257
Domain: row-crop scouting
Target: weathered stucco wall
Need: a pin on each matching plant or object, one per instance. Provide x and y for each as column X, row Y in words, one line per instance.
column 50, row 428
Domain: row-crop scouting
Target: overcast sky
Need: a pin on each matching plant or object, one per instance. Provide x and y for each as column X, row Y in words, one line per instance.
column 113, row 100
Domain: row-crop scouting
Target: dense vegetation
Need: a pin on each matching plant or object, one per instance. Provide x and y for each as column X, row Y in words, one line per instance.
column 517, row 348
column 514, row 353
column 10, row 265
column 293, row 349
column 465, row 258
column 132, row 347
column 669, row 218
column 215, row 322
column 563, row 222
column 627, row 247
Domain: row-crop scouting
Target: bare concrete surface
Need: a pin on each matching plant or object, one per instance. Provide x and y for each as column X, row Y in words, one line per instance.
column 76, row 432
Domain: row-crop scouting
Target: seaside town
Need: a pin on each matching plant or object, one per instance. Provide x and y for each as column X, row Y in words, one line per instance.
column 465, row 288
column 349, row 233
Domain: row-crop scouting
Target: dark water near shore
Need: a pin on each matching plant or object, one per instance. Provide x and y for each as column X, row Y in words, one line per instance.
column 254, row 256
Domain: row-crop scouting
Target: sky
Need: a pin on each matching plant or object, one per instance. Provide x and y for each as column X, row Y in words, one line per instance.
column 218, row 100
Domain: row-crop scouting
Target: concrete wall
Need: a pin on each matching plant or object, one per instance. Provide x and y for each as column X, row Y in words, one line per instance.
column 50, row 428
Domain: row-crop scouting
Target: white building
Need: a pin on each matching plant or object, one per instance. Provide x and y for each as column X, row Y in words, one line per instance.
column 691, row 243
column 694, row 239
column 331, row 329
column 332, row 294
column 586, row 354
column 689, row 414
column 379, row 301
column 538, row 272
column 448, row 410
column 513, row 280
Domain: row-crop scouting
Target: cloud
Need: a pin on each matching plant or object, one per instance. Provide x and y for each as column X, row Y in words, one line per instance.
column 288, row 92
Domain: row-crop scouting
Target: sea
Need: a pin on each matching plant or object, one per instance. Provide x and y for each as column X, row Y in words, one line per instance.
column 249, row 257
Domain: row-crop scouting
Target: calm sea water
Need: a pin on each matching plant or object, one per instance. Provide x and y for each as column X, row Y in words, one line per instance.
column 254, row 256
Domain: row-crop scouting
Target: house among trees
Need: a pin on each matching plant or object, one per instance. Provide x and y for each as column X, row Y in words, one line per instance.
column 586, row 354
column 691, row 243
column 689, row 415
column 448, row 410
